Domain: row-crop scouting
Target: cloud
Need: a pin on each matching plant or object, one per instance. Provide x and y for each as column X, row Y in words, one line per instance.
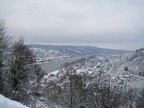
column 98, row 22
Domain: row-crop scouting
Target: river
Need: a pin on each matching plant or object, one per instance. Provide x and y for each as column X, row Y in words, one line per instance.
column 55, row 65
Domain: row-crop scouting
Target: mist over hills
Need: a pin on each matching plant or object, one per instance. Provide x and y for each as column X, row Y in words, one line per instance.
column 80, row 50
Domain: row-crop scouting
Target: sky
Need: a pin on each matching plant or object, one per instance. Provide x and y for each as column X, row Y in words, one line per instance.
column 115, row 24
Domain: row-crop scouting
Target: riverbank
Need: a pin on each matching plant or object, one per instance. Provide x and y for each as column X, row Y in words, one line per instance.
column 55, row 65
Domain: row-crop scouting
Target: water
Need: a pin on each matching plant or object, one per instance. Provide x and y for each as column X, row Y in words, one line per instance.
column 55, row 65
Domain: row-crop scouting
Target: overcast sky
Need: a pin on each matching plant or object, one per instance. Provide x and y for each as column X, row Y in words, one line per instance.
column 117, row 24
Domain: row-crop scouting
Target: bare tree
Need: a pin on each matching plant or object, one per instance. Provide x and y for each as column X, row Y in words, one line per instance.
column 18, row 68
column 101, row 94
column 140, row 100
column 74, row 89
column 67, row 95
column 78, row 91
column 22, row 69
column 4, row 43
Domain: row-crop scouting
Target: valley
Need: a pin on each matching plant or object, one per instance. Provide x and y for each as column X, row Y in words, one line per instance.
column 120, row 72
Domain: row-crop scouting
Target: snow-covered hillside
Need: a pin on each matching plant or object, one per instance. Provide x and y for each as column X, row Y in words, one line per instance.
column 7, row 103
column 123, row 74
column 80, row 50
column 46, row 53
column 43, row 55
column 123, row 69
column 129, row 68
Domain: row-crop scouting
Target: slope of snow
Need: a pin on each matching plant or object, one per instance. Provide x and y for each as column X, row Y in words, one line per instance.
column 7, row 103
column 125, row 69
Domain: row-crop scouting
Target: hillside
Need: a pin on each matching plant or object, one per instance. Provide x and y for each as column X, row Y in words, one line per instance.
column 46, row 53
column 80, row 50
column 127, row 68
column 122, row 75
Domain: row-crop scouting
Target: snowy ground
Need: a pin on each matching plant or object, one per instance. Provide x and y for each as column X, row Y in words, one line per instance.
column 7, row 103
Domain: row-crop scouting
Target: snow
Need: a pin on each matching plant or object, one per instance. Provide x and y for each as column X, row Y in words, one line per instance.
column 43, row 55
column 7, row 103
column 54, row 73
column 113, row 65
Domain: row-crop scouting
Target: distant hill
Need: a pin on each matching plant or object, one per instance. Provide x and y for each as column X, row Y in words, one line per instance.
column 80, row 50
